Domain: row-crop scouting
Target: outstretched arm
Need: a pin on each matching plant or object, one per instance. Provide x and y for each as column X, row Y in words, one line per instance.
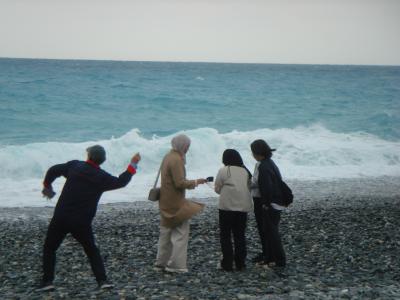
column 112, row 183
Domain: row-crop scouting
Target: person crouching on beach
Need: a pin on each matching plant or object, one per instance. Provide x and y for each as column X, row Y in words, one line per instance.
column 268, row 206
column 175, row 210
column 76, row 208
column 233, row 185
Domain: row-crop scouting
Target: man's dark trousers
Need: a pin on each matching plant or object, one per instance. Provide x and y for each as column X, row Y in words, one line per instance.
column 273, row 243
column 82, row 232
column 233, row 223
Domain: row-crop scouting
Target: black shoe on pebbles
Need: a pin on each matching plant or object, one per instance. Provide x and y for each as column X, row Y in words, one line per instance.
column 224, row 267
column 105, row 285
column 45, row 287
column 280, row 264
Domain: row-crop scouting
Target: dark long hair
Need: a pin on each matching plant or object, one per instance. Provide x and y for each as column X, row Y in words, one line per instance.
column 231, row 157
column 261, row 148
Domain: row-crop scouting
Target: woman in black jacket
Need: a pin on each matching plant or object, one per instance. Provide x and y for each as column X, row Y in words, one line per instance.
column 268, row 184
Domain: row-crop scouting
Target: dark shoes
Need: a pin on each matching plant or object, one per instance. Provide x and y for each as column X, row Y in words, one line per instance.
column 45, row 286
column 48, row 286
column 105, row 285
column 225, row 266
column 260, row 259
column 228, row 267
column 280, row 264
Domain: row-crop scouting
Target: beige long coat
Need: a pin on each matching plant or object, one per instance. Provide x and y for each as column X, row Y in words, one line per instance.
column 174, row 207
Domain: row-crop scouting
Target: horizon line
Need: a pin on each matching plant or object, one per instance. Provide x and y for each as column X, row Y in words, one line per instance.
column 202, row 62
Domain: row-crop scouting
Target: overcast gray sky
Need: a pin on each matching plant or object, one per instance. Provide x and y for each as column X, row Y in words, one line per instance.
column 281, row 31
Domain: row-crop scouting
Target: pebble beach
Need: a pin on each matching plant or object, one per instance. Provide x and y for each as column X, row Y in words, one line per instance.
column 342, row 241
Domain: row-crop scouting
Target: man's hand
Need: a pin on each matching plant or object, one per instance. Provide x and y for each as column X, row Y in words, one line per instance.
column 136, row 158
column 48, row 192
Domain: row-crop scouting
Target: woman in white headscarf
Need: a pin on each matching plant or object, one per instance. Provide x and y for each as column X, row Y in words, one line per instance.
column 175, row 209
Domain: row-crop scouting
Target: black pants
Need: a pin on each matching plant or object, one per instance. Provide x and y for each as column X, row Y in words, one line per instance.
column 56, row 233
column 274, row 251
column 233, row 223
column 258, row 214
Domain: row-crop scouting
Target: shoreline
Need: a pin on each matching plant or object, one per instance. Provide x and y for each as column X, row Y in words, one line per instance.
column 307, row 193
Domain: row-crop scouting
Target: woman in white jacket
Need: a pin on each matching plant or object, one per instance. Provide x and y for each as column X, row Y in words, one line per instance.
column 233, row 184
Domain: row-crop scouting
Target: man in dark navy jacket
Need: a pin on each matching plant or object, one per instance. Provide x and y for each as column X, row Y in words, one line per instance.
column 76, row 208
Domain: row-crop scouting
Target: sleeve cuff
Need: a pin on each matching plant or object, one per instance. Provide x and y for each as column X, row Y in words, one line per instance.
column 132, row 169
column 46, row 184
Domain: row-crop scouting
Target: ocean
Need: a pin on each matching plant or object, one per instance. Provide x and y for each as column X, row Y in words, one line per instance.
column 327, row 122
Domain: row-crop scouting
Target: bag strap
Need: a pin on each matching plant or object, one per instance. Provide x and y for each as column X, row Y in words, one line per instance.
column 158, row 173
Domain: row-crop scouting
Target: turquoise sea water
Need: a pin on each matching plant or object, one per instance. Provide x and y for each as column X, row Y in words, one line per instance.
column 326, row 121
column 55, row 100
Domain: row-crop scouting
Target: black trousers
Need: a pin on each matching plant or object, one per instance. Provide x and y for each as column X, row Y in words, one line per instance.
column 258, row 214
column 274, row 251
column 83, row 233
column 233, row 223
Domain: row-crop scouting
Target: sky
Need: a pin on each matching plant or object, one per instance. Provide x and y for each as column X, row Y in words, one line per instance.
column 243, row 31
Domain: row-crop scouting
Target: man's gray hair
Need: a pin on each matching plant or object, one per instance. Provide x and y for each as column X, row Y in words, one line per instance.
column 96, row 154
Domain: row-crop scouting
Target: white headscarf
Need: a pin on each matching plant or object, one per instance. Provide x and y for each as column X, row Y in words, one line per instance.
column 180, row 143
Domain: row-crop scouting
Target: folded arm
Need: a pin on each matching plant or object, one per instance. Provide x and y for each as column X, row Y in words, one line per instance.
column 52, row 174
column 56, row 171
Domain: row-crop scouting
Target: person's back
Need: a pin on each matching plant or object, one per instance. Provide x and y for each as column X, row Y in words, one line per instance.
column 269, row 181
column 175, row 210
column 85, row 183
column 232, row 183
column 173, row 183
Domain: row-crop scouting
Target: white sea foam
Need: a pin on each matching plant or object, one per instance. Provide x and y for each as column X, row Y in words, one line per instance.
column 305, row 153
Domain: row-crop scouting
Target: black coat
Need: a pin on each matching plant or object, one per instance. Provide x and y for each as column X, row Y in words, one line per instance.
column 269, row 182
column 83, row 188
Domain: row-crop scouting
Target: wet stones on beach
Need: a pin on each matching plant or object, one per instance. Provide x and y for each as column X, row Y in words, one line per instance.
column 333, row 252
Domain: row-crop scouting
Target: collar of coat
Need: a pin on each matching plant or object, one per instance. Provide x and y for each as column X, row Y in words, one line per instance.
column 92, row 163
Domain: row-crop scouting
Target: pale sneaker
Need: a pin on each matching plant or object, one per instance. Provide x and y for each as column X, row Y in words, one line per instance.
column 173, row 270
